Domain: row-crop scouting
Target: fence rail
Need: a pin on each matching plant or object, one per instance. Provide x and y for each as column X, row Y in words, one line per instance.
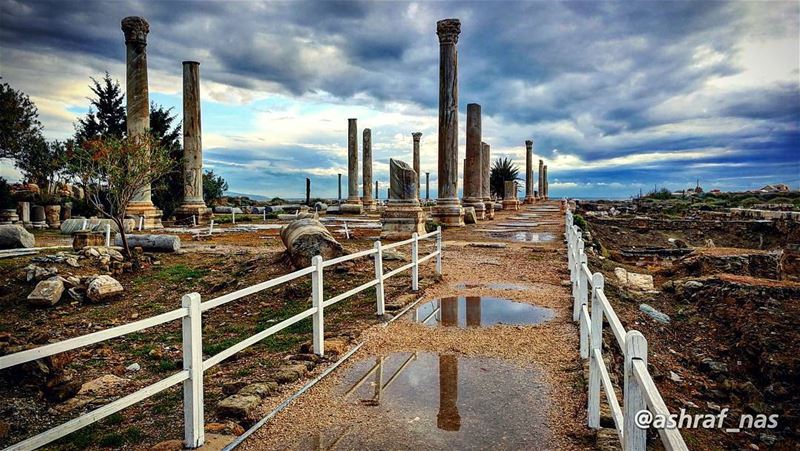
column 190, row 314
column 590, row 308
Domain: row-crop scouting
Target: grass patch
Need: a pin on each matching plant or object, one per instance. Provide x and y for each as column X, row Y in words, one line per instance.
column 117, row 439
column 175, row 274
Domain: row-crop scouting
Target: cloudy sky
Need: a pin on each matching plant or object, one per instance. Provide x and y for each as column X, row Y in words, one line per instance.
column 617, row 97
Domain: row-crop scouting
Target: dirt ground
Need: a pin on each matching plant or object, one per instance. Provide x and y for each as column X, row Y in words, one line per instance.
column 731, row 340
column 550, row 348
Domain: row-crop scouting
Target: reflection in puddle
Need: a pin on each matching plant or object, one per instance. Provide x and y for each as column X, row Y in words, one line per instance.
column 491, row 286
column 478, row 311
column 526, row 237
column 439, row 401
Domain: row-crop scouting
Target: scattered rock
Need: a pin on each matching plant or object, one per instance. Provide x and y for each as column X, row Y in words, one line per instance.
column 713, row 406
column 692, row 284
column 36, row 273
column 13, row 236
column 714, row 366
column 97, row 391
column 238, row 406
column 636, row 281
column 61, row 388
column 662, row 318
column 391, row 255
column 47, row 293
column 336, row 346
column 77, row 294
column 103, row 287
column 72, row 261
column 469, row 215
column 260, row 389
column 674, row 377
column 231, row 388
column 289, row 373
column 133, row 367
column 221, row 428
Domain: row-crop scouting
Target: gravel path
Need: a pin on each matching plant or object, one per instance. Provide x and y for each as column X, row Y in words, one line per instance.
column 546, row 390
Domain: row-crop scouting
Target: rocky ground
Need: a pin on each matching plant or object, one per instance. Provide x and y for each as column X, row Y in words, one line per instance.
column 721, row 322
column 43, row 394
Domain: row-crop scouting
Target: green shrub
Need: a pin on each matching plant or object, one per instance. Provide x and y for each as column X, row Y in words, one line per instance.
column 579, row 221
column 749, row 201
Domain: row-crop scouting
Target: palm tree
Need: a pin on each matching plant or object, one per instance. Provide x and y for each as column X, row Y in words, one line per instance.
column 502, row 171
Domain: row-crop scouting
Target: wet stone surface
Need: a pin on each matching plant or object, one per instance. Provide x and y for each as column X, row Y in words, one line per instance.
column 439, row 401
column 478, row 311
column 490, row 286
column 523, row 236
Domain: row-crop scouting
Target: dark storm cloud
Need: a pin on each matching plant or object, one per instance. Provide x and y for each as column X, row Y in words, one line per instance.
column 606, row 68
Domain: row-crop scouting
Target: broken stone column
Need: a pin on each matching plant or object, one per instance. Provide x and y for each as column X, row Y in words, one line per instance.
column 529, row 197
column 366, row 186
column 473, row 180
column 193, row 203
column 448, row 210
column 138, row 109
column 24, row 212
column 545, row 184
column 353, row 203
column 510, row 201
column 541, row 179
column 38, row 218
column 416, row 137
column 403, row 215
column 486, row 172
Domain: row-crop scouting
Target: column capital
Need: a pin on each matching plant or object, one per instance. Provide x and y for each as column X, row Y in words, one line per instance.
column 191, row 63
column 135, row 29
column 416, row 136
column 528, row 144
column 448, row 30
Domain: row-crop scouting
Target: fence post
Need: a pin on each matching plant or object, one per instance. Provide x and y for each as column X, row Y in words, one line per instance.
column 583, row 288
column 576, row 282
column 194, row 434
column 316, row 301
column 233, row 216
column 415, row 261
column 439, row 250
column 379, row 277
column 194, row 221
column 595, row 342
column 211, row 228
column 634, row 437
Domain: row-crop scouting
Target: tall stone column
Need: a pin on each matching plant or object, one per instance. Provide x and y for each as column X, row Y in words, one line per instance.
column 448, row 210
column 415, row 157
column 545, row 185
column 529, row 197
column 448, row 418
column 473, row 197
column 193, row 203
column 340, row 189
column 427, row 186
column 486, row 173
column 138, row 108
column 353, row 203
column 541, row 179
column 366, row 186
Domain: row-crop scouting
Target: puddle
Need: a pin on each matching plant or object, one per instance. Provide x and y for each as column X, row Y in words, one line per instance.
column 478, row 311
column 491, row 286
column 439, row 401
column 523, row 236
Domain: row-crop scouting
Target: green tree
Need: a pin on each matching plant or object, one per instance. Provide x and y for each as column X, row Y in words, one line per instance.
column 503, row 170
column 111, row 171
column 106, row 116
column 214, row 187
column 42, row 162
column 19, row 121
column 168, row 192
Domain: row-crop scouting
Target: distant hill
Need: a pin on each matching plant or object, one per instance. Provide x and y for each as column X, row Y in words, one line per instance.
column 251, row 196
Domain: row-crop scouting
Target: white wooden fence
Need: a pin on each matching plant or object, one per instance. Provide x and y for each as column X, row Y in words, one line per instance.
column 190, row 314
column 639, row 391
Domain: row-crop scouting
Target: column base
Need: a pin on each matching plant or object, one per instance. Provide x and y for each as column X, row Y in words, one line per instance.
column 511, row 204
column 530, row 200
column 152, row 215
column 352, row 207
column 489, row 205
column 478, row 205
column 400, row 220
column 201, row 213
column 449, row 213
column 369, row 204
